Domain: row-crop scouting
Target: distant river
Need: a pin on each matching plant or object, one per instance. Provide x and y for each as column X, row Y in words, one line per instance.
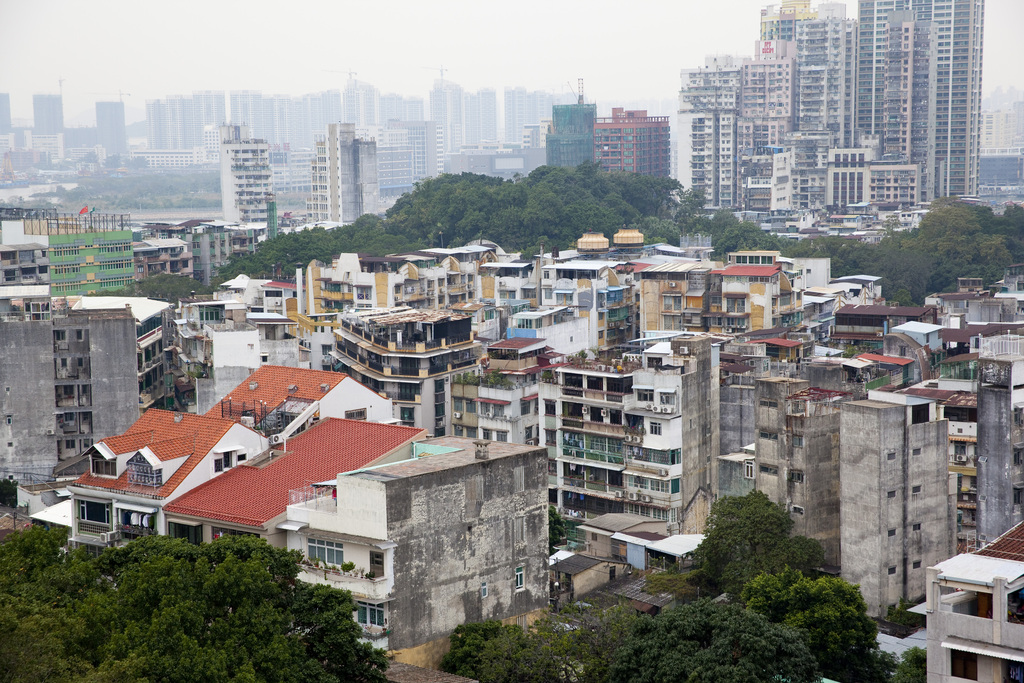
column 7, row 193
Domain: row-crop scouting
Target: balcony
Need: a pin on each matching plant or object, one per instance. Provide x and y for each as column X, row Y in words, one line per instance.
column 377, row 588
column 578, row 452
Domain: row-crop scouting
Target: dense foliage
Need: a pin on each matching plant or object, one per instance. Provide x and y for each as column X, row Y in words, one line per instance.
column 552, row 206
column 833, row 616
column 748, row 536
column 712, row 644
column 165, row 287
column 162, row 609
column 556, row 528
column 913, row 667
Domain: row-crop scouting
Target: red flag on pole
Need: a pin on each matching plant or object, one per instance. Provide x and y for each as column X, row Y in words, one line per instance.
column 85, row 209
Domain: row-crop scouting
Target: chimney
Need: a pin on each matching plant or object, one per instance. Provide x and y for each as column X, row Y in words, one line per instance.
column 252, row 386
column 292, row 388
column 481, row 450
column 324, row 387
column 178, row 417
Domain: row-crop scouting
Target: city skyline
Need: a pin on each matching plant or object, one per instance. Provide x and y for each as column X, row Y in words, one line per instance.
column 534, row 48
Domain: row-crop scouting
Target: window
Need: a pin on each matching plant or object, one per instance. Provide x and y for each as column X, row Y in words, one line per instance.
column 892, row 570
column 748, row 469
column 892, row 532
column 916, row 451
column 502, row 436
column 796, row 476
column 91, row 511
column 769, row 469
column 520, row 579
column 549, row 407
column 102, row 467
column 486, row 434
column 1018, row 495
column 797, row 510
column 667, row 399
column 916, row 527
column 645, row 395
column 767, row 403
column 891, row 455
column 771, row 436
column 331, row 552
column 916, row 564
column 359, row 414
column 483, row 589
column 519, row 529
column 655, row 428
column 890, row 494
column 192, row 534
column 369, row 615
column 963, row 664
column 798, row 441
column 519, row 479
column 915, row 489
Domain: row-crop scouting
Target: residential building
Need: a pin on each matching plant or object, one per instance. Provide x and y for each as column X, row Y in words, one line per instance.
column 897, row 514
column 87, row 252
column 999, row 129
column 596, row 292
column 633, row 141
column 110, row 127
column 456, row 534
column 446, row 110
column 525, row 108
column 826, row 65
column 799, row 174
column 635, row 435
column 674, row 296
column 480, row 112
column 866, row 325
column 1000, row 453
column 708, row 117
column 177, row 121
column 245, row 176
column 5, row 113
column 796, row 456
column 906, row 98
column 768, row 95
column 409, row 356
column 156, row 256
column 507, row 164
column 502, row 404
column 753, row 292
column 133, row 475
column 570, row 142
column 212, row 243
column 253, row 497
column 344, row 180
column 975, row 613
column 47, row 114
column 781, row 22
column 65, row 380
column 149, row 341
column 24, row 264
column 360, row 104
column 424, row 137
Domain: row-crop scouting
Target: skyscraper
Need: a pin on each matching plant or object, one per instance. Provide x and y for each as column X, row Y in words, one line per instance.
column 345, row 184
column 446, row 112
column 360, row 104
column 245, row 175
column 826, row 69
column 633, row 141
column 47, row 114
column 110, row 127
column 5, row 113
column 481, row 117
column 177, row 121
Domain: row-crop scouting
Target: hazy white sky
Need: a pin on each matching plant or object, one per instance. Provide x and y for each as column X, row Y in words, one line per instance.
column 623, row 50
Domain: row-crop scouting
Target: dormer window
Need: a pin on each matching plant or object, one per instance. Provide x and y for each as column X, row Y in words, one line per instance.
column 142, row 473
column 102, row 467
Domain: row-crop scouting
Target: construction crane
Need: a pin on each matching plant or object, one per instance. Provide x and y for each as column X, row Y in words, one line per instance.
column 351, row 74
column 121, row 94
column 437, row 68
column 578, row 93
column 60, row 84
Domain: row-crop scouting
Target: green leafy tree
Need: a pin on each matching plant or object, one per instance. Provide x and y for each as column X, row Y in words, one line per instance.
column 468, row 643
column 712, row 644
column 680, row 585
column 832, row 614
column 9, row 493
column 165, row 286
column 913, row 667
column 556, row 528
column 746, row 536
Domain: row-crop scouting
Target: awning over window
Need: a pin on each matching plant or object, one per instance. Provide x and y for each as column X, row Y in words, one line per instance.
column 134, row 508
column 292, row 526
column 983, row 649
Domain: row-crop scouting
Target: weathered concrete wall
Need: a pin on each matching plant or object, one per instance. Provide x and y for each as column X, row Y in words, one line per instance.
column 997, row 434
column 26, row 398
column 455, row 529
column 897, row 513
column 115, row 380
column 736, row 407
column 731, row 479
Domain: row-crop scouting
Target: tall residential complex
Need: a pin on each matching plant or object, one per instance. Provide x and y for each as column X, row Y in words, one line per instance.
column 446, row 110
column 177, row 121
column 708, row 117
column 344, row 178
column 768, row 94
column 826, row 73
column 360, row 103
column 781, row 22
column 633, row 141
column 245, row 176
column 5, row 113
column 480, row 113
column 47, row 114
column 110, row 127
column 524, row 108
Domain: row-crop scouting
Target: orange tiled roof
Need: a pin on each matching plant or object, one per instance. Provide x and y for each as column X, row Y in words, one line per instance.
column 272, row 387
column 254, row 495
column 194, row 436
column 1009, row 546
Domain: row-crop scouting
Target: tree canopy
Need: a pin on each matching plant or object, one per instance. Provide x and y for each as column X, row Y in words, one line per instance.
column 162, row 609
column 832, row 614
column 747, row 536
column 164, row 286
column 712, row 644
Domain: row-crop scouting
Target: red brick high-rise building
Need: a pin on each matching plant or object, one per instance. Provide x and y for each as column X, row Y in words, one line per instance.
column 633, row 141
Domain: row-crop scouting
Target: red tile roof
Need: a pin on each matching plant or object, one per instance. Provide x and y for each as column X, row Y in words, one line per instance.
column 193, row 436
column 280, row 285
column 1009, row 546
column 891, row 360
column 254, row 495
column 272, row 387
column 750, row 271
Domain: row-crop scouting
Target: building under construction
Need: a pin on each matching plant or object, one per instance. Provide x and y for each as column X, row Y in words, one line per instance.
column 571, row 140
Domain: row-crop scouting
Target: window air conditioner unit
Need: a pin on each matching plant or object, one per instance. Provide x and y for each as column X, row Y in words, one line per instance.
column 457, row 415
column 662, row 473
column 650, row 406
column 618, row 494
column 673, row 285
column 586, row 409
column 961, row 458
column 604, row 412
column 645, row 498
column 632, row 496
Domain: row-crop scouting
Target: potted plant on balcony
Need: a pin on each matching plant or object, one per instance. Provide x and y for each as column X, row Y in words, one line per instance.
column 347, row 567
